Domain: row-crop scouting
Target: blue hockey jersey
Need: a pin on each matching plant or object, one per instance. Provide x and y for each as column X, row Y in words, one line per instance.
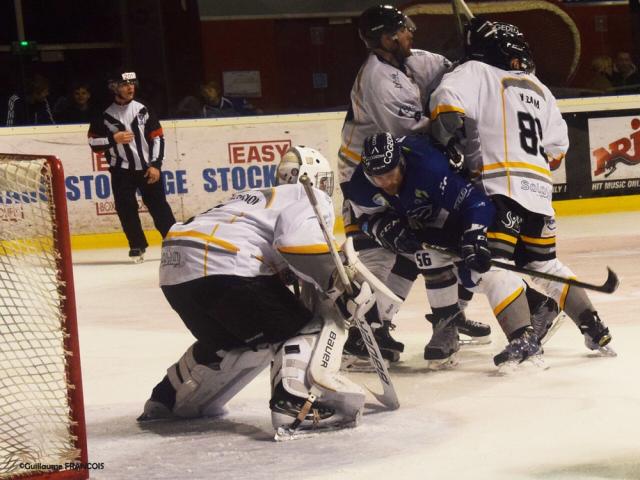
column 437, row 203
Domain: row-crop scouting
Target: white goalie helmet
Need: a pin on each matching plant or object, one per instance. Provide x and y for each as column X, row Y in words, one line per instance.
column 299, row 160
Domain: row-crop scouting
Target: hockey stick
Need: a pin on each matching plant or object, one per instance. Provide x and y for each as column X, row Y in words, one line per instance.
column 460, row 6
column 388, row 398
column 609, row 286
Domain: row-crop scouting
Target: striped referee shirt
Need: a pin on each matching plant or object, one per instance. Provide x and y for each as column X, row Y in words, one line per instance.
column 147, row 147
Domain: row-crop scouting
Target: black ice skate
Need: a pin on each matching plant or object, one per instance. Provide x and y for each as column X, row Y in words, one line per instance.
column 355, row 356
column 137, row 255
column 525, row 347
column 444, row 344
column 472, row 332
column 596, row 334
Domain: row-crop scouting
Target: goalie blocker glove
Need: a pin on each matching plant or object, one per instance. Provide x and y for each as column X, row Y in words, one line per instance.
column 356, row 304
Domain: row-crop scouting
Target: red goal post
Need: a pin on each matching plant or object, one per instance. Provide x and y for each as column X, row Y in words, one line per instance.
column 42, row 432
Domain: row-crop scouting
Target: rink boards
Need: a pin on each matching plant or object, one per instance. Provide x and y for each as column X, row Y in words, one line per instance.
column 208, row 159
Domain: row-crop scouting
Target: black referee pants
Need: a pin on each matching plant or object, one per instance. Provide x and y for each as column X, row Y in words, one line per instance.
column 124, row 184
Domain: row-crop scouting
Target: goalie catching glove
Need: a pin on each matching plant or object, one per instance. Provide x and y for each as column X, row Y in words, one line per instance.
column 391, row 232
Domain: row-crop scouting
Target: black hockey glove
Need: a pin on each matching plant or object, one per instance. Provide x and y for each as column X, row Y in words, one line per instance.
column 475, row 249
column 453, row 155
column 391, row 232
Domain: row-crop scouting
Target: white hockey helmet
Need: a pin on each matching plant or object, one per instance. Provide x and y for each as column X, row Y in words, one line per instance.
column 299, row 160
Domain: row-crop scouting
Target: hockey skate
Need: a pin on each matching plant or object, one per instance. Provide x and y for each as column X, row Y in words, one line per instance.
column 525, row 347
column 285, row 409
column 472, row 332
column 444, row 344
column 546, row 318
column 355, row 356
column 137, row 255
column 596, row 334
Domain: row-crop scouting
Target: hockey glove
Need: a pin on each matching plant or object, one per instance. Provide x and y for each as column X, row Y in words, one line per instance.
column 453, row 155
column 392, row 233
column 475, row 249
column 356, row 304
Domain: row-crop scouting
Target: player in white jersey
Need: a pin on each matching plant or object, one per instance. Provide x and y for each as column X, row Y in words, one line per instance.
column 508, row 125
column 390, row 93
column 222, row 272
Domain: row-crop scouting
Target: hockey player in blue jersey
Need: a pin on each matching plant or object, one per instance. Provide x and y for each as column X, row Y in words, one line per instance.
column 407, row 198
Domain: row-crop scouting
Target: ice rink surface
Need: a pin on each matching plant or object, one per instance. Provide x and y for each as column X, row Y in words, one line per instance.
column 580, row 419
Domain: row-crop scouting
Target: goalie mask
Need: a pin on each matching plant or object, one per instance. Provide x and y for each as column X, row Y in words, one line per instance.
column 299, row 160
column 380, row 19
column 497, row 44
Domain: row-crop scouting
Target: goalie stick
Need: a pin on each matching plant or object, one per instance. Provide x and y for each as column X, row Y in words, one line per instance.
column 388, row 398
column 610, row 285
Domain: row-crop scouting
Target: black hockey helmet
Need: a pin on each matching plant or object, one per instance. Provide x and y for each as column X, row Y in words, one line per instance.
column 380, row 19
column 381, row 154
column 497, row 44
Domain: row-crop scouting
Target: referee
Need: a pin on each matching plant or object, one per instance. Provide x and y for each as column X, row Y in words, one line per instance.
column 131, row 138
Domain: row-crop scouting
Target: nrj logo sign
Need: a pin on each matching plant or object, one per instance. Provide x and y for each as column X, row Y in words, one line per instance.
column 623, row 151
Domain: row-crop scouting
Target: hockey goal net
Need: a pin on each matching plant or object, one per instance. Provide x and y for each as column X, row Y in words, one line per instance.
column 42, row 428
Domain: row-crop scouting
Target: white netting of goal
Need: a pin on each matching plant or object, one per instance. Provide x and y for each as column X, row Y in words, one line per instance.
column 35, row 426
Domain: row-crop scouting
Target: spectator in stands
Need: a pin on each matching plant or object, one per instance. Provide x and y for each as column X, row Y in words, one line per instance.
column 600, row 82
column 77, row 106
column 626, row 78
column 32, row 107
column 210, row 103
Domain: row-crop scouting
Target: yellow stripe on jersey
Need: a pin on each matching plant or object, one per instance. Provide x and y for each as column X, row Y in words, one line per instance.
column 356, row 113
column 445, row 109
column 504, row 136
column 538, row 241
column 507, row 301
column 503, row 236
column 524, row 165
column 523, row 83
column 272, row 198
column 319, row 248
column 233, row 219
column 351, row 228
column 207, row 238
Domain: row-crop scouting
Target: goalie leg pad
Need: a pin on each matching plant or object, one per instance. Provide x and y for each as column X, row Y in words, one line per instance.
column 311, row 363
column 203, row 390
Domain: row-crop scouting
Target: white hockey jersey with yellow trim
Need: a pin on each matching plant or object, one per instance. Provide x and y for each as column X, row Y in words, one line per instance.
column 385, row 99
column 248, row 234
column 512, row 123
